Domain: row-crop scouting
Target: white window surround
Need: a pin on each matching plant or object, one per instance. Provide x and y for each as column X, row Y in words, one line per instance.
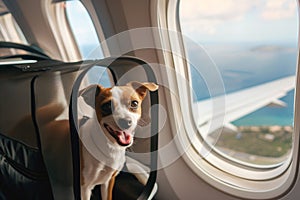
column 10, row 30
column 221, row 172
column 57, row 19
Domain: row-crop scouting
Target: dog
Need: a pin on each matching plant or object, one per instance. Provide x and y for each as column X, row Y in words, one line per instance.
column 103, row 138
column 117, row 113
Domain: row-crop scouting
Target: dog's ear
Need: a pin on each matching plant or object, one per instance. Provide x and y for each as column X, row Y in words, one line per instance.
column 89, row 93
column 141, row 88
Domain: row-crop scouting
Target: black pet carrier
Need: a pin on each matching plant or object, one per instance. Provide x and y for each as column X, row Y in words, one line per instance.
column 33, row 82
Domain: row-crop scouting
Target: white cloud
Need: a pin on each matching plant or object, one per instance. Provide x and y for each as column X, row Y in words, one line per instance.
column 81, row 23
column 76, row 7
column 204, row 16
column 216, row 9
column 279, row 9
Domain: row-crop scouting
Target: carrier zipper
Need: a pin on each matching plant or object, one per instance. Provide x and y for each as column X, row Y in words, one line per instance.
column 37, row 176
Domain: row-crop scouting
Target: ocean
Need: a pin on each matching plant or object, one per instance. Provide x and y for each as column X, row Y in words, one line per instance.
column 269, row 116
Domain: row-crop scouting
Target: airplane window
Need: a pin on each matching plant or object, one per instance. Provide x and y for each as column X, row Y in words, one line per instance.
column 84, row 30
column 252, row 45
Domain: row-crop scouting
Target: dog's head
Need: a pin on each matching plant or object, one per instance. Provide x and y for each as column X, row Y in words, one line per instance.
column 118, row 108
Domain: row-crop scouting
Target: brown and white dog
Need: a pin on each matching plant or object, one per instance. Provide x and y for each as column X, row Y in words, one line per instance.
column 105, row 137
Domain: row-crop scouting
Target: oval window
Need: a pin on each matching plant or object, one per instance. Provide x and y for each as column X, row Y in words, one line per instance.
column 253, row 45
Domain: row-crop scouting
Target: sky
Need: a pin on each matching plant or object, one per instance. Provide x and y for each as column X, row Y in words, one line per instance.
column 211, row 21
column 81, row 23
column 239, row 20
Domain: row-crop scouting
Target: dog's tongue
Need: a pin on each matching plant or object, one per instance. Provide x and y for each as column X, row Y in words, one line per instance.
column 124, row 137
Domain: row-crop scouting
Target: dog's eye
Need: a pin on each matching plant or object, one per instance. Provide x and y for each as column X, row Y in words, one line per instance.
column 106, row 107
column 134, row 104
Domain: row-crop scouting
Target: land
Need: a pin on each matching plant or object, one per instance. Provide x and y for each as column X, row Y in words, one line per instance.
column 256, row 144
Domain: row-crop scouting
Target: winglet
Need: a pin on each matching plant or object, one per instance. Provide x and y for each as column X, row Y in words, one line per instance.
column 230, row 127
column 277, row 103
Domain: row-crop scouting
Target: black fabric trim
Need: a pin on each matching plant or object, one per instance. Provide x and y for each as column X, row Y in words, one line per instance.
column 33, row 114
column 75, row 153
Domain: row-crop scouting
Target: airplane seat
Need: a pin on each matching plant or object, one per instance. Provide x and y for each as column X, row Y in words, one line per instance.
column 26, row 89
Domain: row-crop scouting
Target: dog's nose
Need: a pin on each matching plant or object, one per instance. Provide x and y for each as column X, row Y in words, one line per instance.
column 124, row 123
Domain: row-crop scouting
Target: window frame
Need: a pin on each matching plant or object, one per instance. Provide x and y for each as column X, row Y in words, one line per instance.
column 58, row 21
column 10, row 30
column 246, row 181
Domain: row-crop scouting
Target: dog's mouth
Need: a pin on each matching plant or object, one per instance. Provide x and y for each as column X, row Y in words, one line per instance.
column 123, row 137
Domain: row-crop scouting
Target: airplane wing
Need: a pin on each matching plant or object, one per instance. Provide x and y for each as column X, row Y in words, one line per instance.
column 219, row 112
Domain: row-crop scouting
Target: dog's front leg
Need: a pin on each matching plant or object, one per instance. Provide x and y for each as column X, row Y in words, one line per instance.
column 107, row 188
column 85, row 193
column 104, row 191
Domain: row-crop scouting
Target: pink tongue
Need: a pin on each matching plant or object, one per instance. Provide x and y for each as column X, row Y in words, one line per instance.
column 124, row 137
